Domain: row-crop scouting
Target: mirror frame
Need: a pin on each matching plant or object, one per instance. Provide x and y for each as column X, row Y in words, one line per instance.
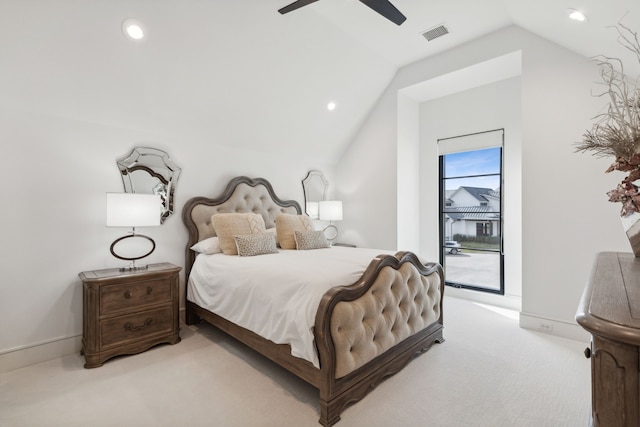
column 311, row 175
column 159, row 165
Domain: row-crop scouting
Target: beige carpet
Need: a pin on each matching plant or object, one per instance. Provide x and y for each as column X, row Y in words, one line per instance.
column 488, row 372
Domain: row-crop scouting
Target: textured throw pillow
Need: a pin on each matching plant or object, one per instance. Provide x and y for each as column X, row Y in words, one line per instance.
column 286, row 224
column 310, row 240
column 256, row 244
column 207, row 246
column 228, row 225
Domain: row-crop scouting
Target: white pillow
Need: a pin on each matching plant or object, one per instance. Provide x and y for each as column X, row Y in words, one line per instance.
column 207, row 246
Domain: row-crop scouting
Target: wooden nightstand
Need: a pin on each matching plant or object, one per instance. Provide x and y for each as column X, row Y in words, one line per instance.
column 127, row 312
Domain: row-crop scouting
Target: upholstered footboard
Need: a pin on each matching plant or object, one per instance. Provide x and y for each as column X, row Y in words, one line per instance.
column 370, row 330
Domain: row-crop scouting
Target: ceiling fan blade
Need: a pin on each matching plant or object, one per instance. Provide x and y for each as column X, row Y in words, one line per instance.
column 295, row 5
column 386, row 9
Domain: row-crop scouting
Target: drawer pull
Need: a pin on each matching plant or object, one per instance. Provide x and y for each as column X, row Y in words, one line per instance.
column 587, row 352
column 129, row 327
column 128, row 294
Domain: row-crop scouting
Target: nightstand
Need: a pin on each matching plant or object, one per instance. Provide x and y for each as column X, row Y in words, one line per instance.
column 128, row 312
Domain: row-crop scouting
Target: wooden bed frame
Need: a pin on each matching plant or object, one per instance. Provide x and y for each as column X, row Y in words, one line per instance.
column 335, row 392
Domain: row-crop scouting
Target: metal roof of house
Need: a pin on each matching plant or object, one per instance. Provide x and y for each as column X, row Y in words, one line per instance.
column 473, row 213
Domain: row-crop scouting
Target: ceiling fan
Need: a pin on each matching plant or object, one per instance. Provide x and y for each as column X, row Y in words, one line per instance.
column 383, row 7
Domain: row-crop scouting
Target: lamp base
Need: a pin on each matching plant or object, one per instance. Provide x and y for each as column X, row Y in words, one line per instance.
column 134, row 267
column 330, row 232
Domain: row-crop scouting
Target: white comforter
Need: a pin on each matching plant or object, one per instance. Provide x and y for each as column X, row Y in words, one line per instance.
column 276, row 295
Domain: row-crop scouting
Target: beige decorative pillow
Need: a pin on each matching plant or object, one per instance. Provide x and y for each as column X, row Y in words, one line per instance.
column 286, row 224
column 310, row 240
column 256, row 244
column 228, row 225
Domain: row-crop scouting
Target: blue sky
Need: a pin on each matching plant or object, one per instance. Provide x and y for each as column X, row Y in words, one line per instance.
column 477, row 162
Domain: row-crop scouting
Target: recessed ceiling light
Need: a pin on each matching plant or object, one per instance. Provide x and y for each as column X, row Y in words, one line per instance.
column 132, row 28
column 331, row 105
column 576, row 15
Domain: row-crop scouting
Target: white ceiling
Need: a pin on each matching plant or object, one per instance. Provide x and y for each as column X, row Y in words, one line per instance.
column 469, row 19
column 239, row 73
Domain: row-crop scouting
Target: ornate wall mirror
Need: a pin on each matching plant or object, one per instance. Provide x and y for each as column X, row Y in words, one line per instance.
column 150, row 171
column 314, row 186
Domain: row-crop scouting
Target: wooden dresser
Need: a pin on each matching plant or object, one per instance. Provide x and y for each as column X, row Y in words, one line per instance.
column 127, row 312
column 610, row 311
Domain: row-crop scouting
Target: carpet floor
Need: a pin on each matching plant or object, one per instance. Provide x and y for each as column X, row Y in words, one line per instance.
column 488, row 372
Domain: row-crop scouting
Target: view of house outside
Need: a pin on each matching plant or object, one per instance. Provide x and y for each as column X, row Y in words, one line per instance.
column 472, row 219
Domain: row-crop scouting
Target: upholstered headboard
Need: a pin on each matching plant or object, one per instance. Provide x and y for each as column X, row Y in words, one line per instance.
column 243, row 194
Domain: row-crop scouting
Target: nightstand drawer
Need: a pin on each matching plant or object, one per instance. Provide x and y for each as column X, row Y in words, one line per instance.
column 119, row 330
column 123, row 296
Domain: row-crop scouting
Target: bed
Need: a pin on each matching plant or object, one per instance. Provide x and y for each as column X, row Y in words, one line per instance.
column 362, row 331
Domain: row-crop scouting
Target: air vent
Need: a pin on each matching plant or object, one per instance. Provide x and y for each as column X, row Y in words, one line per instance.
column 435, row 32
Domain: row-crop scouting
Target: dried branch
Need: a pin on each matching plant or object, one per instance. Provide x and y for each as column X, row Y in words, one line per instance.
column 616, row 132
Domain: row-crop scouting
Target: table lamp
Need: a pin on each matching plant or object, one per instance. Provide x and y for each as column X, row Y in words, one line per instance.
column 330, row 210
column 133, row 210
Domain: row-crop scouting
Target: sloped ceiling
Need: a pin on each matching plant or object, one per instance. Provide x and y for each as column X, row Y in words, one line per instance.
column 239, row 73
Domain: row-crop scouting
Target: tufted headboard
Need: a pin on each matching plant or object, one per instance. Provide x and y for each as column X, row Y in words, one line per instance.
column 243, row 194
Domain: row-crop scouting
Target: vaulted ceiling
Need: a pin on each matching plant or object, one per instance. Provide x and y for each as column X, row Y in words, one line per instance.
column 238, row 72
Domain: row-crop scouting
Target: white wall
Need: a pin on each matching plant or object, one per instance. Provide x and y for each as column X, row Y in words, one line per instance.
column 564, row 193
column 408, row 166
column 52, row 220
column 366, row 181
column 75, row 95
column 566, row 218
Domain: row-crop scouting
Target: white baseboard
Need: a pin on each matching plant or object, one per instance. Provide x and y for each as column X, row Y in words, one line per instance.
column 30, row 355
column 554, row 327
column 21, row 357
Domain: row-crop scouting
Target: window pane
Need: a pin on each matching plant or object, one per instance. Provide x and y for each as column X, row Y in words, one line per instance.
column 473, row 269
column 471, row 219
column 469, row 163
column 488, row 181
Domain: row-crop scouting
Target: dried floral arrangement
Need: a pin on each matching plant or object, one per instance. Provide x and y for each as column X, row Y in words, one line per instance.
column 616, row 132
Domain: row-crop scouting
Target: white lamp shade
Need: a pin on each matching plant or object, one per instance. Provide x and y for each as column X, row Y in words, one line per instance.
column 312, row 210
column 330, row 210
column 133, row 210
